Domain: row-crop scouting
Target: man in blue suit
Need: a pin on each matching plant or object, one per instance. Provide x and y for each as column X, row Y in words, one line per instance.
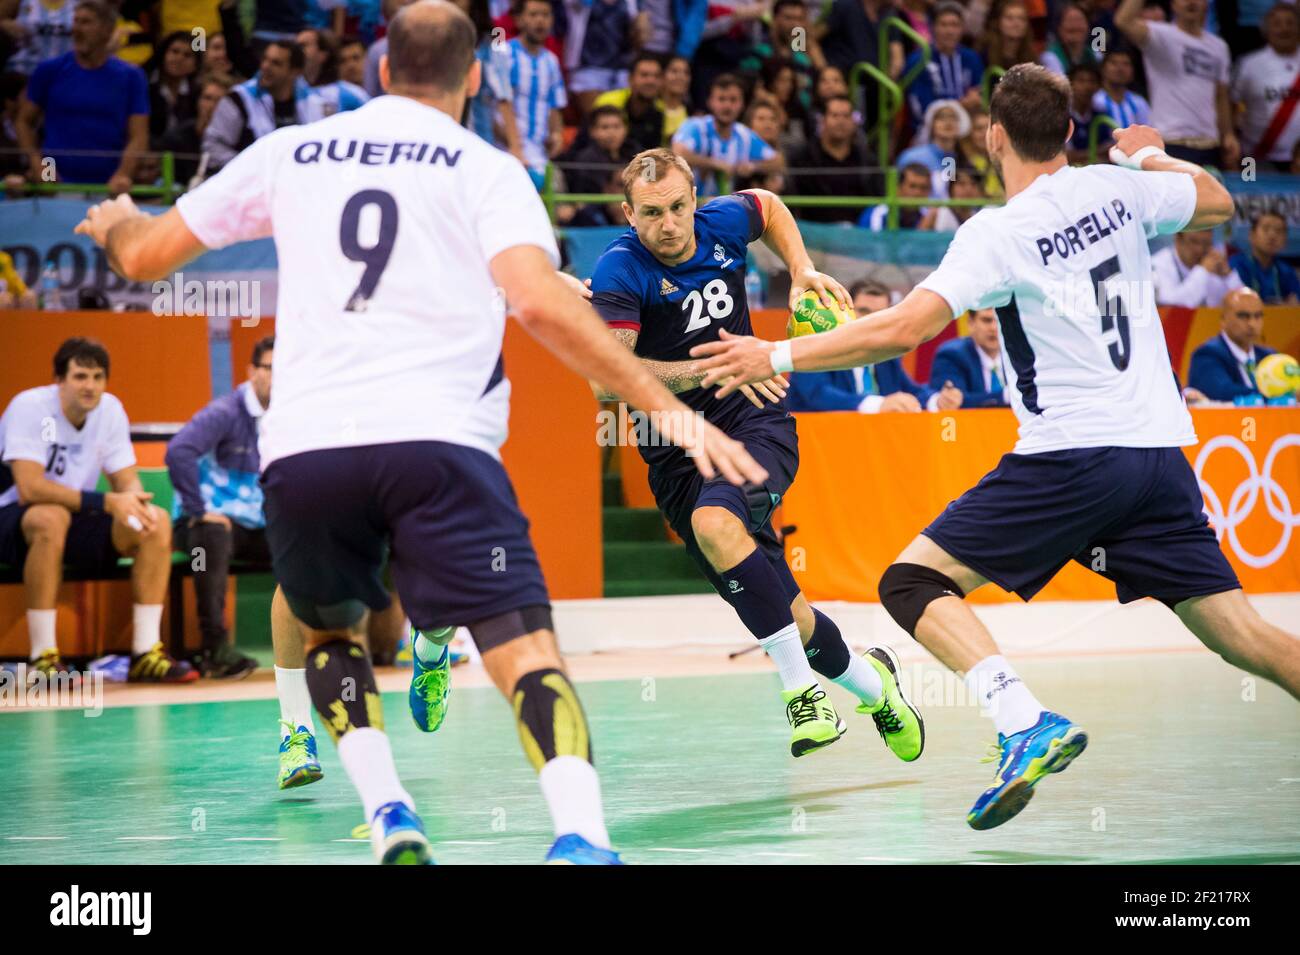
column 1224, row 367
column 973, row 364
column 875, row 388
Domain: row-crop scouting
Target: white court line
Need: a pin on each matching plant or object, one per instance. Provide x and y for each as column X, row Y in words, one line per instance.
column 256, row 839
column 882, row 859
column 466, row 842
column 785, row 855
column 664, row 849
column 34, row 838
column 146, row 838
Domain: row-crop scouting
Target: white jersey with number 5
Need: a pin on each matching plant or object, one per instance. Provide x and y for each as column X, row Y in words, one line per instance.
column 1066, row 265
column 388, row 323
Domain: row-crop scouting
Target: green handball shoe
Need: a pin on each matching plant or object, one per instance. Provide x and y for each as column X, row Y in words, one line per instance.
column 897, row 720
column 813, row 720
column 430, row 682
column 299, row 765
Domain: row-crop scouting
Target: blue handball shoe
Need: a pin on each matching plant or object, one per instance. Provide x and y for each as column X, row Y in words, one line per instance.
column 398, row 836
column 1048, row 746
column 575, row 850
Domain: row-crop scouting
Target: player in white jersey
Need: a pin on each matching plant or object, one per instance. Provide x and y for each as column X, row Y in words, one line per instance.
column 396, row 230
column 1098, row 464
column 55, row 441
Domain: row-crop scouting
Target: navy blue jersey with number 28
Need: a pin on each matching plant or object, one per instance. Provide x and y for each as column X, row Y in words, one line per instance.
column 676, row 307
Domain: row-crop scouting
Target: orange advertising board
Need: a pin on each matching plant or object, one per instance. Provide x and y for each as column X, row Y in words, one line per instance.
column 868, row 484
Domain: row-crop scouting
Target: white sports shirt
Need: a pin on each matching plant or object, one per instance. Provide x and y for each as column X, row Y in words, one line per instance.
column 33, row 428
column 1066, row 265
column 388, row 324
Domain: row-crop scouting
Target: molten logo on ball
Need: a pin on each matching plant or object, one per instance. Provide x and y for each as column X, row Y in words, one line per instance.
column 810, row 316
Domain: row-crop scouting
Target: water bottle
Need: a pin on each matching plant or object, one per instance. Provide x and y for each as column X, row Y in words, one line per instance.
column 753, row 289
column 51, row 299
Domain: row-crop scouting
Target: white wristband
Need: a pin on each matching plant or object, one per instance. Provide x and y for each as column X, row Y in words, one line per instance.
column 1121, row 158
column 782, row 361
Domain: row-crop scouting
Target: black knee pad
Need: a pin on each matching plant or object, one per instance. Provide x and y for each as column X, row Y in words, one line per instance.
column 342, row 686
column 511, row 625
column 339, row 616
column 907, row 589
column 551, row 721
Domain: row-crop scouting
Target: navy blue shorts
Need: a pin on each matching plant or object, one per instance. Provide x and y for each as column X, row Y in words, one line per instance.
column 1133, row 515
column 679, row 491
column 88, row 547
column 445, row 516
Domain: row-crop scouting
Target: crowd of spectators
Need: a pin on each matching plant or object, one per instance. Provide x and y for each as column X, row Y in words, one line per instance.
column 740, row 88
column 770, row 93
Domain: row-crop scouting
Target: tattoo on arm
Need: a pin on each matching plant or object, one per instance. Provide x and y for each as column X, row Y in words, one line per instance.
column 677, row 376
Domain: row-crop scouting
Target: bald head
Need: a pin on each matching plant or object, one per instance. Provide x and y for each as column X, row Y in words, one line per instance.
column 430, row 47
column 1243, row 318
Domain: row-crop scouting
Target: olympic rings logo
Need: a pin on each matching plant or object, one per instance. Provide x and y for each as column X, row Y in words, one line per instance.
column 1242, row 502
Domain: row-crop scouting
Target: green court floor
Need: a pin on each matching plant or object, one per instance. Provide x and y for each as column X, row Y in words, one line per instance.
column 1181, row 768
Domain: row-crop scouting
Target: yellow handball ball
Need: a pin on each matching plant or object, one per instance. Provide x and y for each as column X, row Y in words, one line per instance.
column 1278, row 375
column 810, row 316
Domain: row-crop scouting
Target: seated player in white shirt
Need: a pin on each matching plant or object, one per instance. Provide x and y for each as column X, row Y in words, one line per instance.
column 1192, row 273
column 55, row 440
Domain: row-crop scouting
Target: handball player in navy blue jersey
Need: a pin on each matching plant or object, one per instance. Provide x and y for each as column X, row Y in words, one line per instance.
column 673, row 281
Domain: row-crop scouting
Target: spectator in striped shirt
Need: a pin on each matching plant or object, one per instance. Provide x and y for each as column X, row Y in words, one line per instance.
column 538, row 86
column 38, row 29
column 1115, row 99
column 719, row 143
column 321, row 71
column 955, row 71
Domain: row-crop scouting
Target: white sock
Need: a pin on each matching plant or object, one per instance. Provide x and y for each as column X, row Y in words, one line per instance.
column 427, row 647
column 862, row 680
column 40, row 631
column 295, row 701
column 572, row 791
column 368, row 759
column 148, row 627
column 1003, row 696
column 786, row 650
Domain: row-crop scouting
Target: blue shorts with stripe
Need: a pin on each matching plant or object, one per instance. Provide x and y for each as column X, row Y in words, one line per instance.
column 1133, row 515
column 680, row 491
column 444, row 515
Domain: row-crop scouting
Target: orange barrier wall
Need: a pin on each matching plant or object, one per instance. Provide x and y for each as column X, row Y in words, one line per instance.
column 159, row 364
column 160, row 371
column 551, row 455
column 868, row 484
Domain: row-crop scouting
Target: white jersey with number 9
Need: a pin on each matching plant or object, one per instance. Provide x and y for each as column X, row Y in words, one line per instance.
column 388, row 323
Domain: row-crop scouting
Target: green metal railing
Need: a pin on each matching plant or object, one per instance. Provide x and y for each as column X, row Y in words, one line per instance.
column 168, row 190
column 986, row 85
column 1099, row 122
column 890, row 100
column 889, row 92
column 892, row 199
column 921, row 42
